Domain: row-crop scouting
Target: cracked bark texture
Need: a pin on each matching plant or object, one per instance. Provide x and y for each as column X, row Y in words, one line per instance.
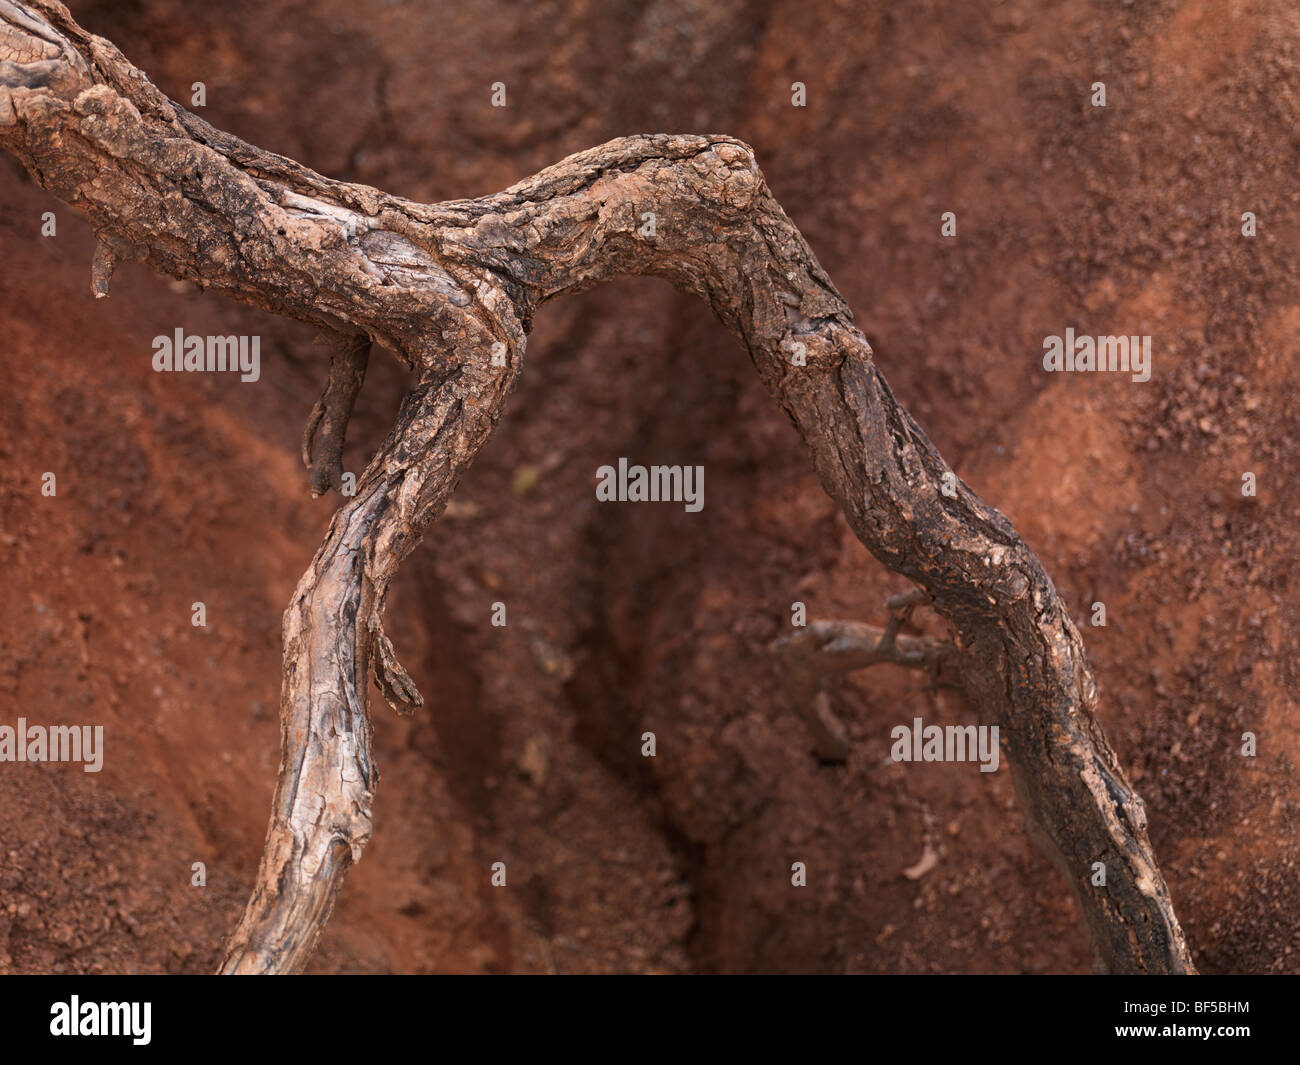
column 445, row 287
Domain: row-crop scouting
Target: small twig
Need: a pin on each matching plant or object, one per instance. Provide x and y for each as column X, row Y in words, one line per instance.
column 913, row 597
column 101, row 268
column 327, row 425
column 827, row 647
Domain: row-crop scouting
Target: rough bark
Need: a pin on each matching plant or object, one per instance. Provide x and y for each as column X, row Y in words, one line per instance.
column 327, row 426
column 441, row 285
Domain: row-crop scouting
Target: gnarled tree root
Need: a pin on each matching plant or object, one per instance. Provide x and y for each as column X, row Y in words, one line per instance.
column 451, row 288
column 333, row 641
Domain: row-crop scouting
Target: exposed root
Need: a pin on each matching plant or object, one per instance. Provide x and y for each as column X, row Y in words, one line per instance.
column 823, row 648
column 446, row 287
column 327, row 425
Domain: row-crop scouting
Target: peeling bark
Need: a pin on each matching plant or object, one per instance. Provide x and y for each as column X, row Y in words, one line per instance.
column 442, row 285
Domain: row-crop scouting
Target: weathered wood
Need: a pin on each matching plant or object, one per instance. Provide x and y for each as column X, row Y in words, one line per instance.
column 327, row 426
column 440, row 285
